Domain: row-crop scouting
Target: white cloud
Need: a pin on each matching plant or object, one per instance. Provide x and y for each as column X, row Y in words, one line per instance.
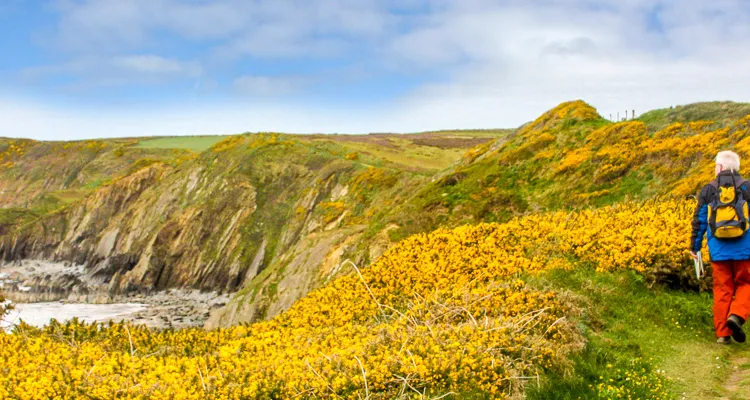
column 269, row 85
column 496, row 63
column 93, row 26
column 279, row 41
column 117, row 70
column 508, row 63
column 103, row 26
column 151, row 64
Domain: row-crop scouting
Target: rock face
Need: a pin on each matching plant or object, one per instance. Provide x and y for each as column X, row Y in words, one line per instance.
column 35, row 281
column 311, row 262
column 30, row 281
column 257, row 213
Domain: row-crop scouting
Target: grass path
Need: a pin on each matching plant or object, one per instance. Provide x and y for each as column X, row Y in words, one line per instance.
column 706, row 370
column 736, row 382
column 651, row 342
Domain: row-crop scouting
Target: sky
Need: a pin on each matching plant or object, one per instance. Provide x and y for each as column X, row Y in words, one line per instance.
column 75, row 69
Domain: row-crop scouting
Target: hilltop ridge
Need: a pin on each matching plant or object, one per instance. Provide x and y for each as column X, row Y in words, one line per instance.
column 722, row 112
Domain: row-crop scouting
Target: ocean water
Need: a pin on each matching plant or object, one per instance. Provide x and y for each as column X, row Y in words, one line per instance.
column 39, row 314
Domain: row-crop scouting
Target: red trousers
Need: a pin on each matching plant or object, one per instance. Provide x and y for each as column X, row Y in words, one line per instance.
column 731, row 293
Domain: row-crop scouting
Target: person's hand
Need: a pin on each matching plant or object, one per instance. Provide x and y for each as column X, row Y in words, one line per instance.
column 694, row 255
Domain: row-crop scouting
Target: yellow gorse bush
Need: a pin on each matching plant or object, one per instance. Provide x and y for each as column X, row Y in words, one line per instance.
column 441, row 312
column 679, row 152
column 15, row 149
column 572, row 146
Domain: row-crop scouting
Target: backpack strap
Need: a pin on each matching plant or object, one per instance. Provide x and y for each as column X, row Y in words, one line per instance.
column 738, row 183
column 741, row 185
column 713, row 199
column 712, row 218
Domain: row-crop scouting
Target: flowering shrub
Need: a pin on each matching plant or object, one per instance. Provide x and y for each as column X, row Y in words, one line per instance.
column 331, row 210
column 13, row 150
column 438, row 313
column 84, row 145
column 475, row 152
column 571, row 155
column 228, row 143
column 573, row 159
column 680, row 154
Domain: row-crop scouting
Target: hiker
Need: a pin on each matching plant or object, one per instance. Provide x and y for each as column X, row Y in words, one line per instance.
column 722, row 212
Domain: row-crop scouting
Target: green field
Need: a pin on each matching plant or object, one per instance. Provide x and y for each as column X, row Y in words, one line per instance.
column 427, row 151
column 422, row 151
column 193, row 143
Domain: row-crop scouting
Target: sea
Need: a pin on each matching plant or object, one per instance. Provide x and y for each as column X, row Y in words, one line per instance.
column 40, row 314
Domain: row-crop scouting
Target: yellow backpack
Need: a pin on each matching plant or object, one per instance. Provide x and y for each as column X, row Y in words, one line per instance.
column 728, row 211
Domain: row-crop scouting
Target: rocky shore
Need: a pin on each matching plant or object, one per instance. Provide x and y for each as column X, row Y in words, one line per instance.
column 35, row 281
column 175, row 308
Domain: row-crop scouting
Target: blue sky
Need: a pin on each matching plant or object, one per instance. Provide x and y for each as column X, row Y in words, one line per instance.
column 74, row 69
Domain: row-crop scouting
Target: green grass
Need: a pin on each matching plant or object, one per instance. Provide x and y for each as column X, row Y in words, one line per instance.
column 635, row 184
column 407, row 154
column 634, row 329
column 66, row 197
column 193, row 143
column 12, row 217
column 722, row 112
column 427, row 152
column 488, row 133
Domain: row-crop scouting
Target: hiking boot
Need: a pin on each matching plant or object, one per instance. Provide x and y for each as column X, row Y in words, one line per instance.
column 735, row 324
column 724, row 340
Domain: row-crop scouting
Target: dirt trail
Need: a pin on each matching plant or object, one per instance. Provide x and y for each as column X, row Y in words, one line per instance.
column 737, row 384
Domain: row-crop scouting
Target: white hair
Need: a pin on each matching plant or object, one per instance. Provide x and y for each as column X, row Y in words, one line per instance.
column 729, row 160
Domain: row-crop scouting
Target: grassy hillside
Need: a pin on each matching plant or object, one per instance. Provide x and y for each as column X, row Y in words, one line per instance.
column 723, row 113
column 429, row 151
column 192, row 143
column 570, row 158
column 547, row 262
column 46, row 176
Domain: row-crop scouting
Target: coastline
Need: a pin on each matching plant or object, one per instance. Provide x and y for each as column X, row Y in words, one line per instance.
column 57, row 283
